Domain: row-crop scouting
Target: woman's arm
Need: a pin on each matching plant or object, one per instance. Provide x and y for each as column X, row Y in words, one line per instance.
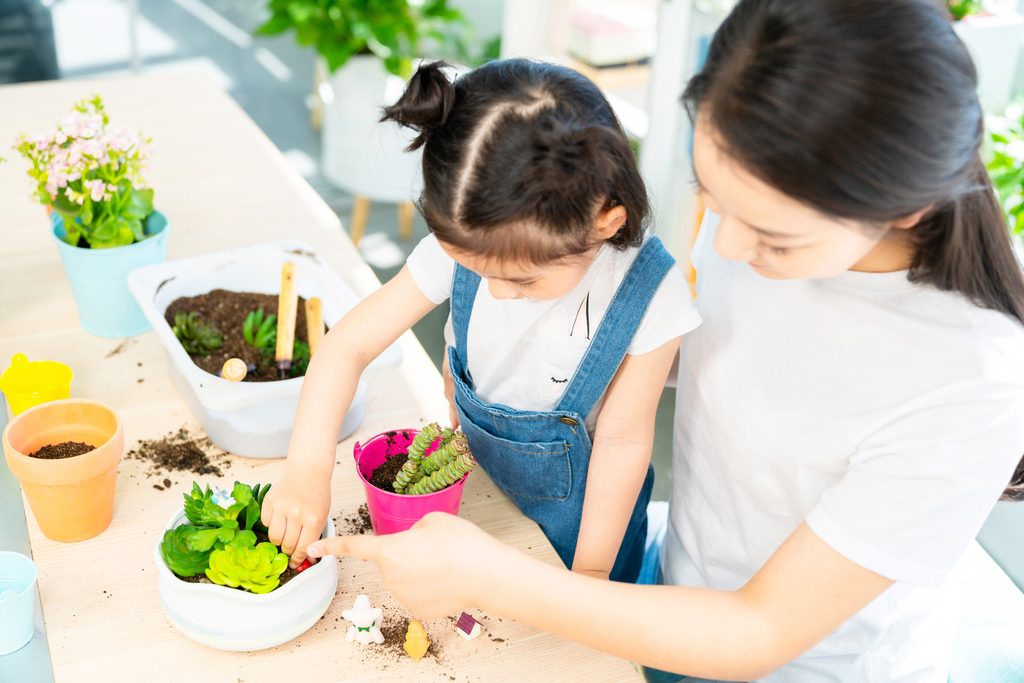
column 297, row 506
column 804, row 592
column 623, row 439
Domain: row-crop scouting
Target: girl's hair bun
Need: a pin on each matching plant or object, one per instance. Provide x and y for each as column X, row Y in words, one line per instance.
column 425, row 104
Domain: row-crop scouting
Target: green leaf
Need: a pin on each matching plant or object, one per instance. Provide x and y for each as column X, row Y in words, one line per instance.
column 65, row 207
column 139, row 204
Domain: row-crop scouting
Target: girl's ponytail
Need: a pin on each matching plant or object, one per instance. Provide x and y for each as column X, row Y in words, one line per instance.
column 425, row 104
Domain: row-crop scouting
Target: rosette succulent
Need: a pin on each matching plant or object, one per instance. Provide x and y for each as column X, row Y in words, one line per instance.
column 257, row 569
column 195, row 335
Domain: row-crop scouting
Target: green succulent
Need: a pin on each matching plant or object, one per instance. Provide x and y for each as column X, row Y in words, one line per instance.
column 200, row 510
column 259, row 331
column 186, row 549
column 257, row 569
column 195, row 335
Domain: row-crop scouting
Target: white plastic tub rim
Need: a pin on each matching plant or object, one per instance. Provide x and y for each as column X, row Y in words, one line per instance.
column 246, row 269
column 231, row 619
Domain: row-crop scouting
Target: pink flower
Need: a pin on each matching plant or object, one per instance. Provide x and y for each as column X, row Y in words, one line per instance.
column 96, row 189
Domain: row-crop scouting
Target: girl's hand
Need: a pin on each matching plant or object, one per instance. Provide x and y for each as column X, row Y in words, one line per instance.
column 449, row 391
column 295, row 511
column 437, row 568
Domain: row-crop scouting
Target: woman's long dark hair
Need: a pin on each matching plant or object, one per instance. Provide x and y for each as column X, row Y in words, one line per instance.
column 518, row 158
column 866, row 110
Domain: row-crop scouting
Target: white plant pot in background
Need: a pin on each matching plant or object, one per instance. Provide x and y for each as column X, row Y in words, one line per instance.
column 360, row 154
column 252, row 419
column 230, row 619
column 994, row 44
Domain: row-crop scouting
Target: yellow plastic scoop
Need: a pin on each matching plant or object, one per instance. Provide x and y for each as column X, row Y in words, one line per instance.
column 28, row 384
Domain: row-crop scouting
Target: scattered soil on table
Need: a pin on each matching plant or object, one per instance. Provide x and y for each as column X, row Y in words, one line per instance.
column 384, row 476
column 180, row 452
column 67, row 449
column 227, row 310
column 358, row 524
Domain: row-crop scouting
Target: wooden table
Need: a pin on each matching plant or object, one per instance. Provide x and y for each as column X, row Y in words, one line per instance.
column 223, row 184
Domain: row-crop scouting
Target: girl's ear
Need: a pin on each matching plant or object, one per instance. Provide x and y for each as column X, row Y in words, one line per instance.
column 911, row 220
column 609, row 222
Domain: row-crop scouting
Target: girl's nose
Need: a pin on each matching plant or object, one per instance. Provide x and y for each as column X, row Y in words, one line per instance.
column 736, row 241
column 500, row 289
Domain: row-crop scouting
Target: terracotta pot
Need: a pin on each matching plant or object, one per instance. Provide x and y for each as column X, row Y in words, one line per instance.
column 71, row 498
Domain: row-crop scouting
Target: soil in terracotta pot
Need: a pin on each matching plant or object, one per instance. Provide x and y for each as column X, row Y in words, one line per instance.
column 67, row 449
column 227, row 310
column 384, row 476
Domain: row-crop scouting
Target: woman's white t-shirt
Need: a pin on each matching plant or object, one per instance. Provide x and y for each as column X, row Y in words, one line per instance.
column 522, row 353
column 887, row 415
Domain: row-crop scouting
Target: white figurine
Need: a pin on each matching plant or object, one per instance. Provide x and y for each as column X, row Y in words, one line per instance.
column 467, row 627
column 222, row 497
column 366, row 622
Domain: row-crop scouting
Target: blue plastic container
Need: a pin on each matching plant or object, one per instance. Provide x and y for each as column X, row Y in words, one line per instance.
column 17, row 576
column 98, row 278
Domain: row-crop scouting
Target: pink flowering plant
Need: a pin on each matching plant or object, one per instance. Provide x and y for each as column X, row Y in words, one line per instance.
column 91, row 177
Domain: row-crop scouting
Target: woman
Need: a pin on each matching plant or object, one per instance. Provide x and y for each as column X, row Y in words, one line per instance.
column 850, row 410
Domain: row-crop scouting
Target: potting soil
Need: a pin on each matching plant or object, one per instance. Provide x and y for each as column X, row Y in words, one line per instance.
column 384, row 476
column 67, row 449
column 228, row 310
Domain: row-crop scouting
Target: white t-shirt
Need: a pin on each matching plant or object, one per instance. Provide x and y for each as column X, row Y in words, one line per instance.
column 521, row 352
column 886, row 414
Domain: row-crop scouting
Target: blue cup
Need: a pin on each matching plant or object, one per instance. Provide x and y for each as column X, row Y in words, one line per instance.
column 17, row 577
column 99, row 278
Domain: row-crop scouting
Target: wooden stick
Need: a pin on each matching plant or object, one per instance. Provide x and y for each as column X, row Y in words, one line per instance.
column 314, row 324
column 287, row 308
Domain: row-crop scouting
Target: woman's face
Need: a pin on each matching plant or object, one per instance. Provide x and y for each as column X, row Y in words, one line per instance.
column 778, row 236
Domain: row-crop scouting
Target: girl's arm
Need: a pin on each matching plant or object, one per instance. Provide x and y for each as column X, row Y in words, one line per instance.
column 804, row 592
column 623, row 440
column 297, row 506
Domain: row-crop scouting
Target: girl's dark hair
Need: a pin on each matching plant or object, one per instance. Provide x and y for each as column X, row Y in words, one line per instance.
column 518, row 158
column 866, row 110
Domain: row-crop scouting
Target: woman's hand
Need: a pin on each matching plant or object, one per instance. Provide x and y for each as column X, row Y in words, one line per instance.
column 295, row 511
column 435, row 569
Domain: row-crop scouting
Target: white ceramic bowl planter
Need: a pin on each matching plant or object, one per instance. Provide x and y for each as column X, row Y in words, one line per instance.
column 231, row 619
column 247, row 418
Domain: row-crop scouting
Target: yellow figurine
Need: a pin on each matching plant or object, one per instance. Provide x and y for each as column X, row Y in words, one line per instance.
column 416, row 642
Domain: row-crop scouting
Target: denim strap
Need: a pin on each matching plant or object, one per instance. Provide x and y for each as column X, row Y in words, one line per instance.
column 465, row 284
column 610, row 343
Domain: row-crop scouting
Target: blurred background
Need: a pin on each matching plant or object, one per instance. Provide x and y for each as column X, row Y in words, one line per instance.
column 314, row 74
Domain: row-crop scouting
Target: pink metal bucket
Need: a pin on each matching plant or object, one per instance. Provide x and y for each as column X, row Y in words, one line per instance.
column 394, row 512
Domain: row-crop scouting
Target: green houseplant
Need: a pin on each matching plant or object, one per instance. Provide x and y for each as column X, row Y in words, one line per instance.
column 396, row 31
column 1004, row 158
column 222, row 583
column 91, row 177
column 367, row 49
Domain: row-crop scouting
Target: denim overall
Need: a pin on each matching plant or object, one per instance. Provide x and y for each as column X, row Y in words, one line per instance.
column 540, row 460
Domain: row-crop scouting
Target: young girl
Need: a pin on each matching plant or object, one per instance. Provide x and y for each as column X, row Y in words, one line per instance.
column 565, row 317
column 853, row 404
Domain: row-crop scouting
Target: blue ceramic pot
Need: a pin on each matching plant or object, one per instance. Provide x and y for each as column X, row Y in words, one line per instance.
column 98, row 278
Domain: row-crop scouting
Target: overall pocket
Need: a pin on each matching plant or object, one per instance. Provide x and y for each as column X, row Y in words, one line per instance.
column 532, row 470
